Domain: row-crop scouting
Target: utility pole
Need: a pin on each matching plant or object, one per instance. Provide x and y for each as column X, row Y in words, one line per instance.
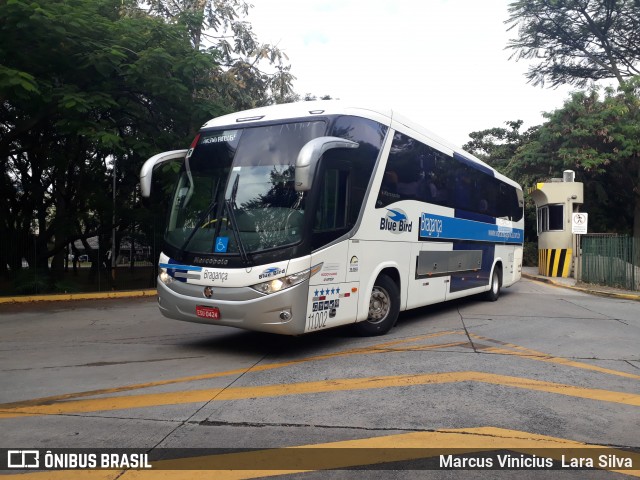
column 113, row 231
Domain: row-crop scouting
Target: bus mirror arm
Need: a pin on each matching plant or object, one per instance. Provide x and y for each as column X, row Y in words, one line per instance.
column 309, row 156
column 146, row 172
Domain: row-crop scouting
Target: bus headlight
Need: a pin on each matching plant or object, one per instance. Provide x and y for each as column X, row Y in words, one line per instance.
column 279, row 284
column 165, row 277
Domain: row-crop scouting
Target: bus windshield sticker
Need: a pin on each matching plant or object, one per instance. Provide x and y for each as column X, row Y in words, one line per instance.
column 226, row 136
column 221, row 244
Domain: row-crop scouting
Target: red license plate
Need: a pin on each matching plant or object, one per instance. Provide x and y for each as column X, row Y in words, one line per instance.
column 212, row 313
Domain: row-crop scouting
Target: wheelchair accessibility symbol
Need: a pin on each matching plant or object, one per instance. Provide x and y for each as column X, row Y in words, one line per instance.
column 221, row 244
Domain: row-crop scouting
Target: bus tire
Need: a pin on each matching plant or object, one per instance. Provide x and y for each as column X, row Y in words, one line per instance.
column 495, row 285
column 384, row 307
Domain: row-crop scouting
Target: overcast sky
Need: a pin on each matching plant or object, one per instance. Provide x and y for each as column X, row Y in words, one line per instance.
column 439, row 62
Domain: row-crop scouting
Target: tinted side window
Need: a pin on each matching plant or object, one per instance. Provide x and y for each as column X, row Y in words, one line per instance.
column 404, row 173
column 370, row 136
column 416, row 171
column 333, row 206
column 332, row 214
column 344, row 178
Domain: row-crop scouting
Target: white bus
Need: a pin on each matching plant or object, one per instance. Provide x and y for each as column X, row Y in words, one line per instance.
column 300, row 217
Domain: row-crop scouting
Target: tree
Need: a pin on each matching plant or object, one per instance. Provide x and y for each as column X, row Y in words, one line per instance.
column 86, row 84
column 221, row 25
column 576, row 41
column 598, row 137
column 496, row 146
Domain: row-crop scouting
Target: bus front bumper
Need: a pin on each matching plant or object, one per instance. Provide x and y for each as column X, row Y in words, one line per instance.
column 283, row 312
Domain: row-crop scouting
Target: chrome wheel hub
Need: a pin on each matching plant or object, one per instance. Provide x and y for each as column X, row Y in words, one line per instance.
column 379, row 305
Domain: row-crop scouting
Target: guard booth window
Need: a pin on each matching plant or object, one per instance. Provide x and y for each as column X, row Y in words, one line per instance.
column 551, row 218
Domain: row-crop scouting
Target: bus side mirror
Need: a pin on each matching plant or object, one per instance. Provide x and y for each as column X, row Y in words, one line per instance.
column 309, row 157
column 146, row 172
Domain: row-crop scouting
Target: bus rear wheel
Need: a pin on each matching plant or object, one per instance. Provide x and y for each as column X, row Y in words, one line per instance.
column 384, row 307
column 496, row 282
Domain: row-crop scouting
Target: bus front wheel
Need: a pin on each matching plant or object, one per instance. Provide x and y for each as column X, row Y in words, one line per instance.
column 384, row 307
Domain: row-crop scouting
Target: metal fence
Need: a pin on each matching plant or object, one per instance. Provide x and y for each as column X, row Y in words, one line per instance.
column 87, row 270
column 611, row 260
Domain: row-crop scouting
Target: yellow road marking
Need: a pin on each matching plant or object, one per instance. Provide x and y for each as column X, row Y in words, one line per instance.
column 545, row 357
column 325, row 386
column 379, row 348
column 47, row 405
column 65, row 404
column 359, row 452
column 377, row 450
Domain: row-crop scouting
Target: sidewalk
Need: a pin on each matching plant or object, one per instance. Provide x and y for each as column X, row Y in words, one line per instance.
column 532, row 274
column 62, row 297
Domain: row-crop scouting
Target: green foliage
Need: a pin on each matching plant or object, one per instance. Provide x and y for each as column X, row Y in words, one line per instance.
column 31, row 281
column 530, row 254
column 598, row 136
column 91, row 88
column 220, row 25
column 576, row 41
column 497, row 145
column 86, row 84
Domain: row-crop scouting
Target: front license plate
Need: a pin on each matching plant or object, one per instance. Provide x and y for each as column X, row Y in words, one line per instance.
column 212, row 313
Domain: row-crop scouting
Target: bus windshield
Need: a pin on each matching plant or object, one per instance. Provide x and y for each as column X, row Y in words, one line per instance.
column 236, row 194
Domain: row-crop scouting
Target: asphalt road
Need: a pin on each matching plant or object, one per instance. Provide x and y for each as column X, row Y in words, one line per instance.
column 541, row 368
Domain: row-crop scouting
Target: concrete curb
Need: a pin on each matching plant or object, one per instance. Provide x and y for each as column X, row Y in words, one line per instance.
column 151, row 293
column 60, row 297
column 592, row 291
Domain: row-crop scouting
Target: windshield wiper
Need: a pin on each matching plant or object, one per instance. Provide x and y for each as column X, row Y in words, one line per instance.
column 231, row 205
column 203, row 216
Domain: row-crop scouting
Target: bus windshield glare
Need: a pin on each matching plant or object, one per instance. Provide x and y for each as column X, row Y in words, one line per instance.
column 236, row 190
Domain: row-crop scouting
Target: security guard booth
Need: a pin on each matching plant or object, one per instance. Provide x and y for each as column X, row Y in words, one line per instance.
column 555, row 201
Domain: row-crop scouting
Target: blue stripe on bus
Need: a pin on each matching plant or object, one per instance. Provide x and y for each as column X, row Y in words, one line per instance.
column 437, row 227
column 175, row 266
column 180, row 272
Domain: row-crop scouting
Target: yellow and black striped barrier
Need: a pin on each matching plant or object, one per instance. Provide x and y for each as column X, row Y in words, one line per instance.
column 554, row 262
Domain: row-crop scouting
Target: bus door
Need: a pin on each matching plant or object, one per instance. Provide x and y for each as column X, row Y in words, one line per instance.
column 332, row 299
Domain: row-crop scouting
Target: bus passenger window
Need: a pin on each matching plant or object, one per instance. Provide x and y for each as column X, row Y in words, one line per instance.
column 401, row 179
